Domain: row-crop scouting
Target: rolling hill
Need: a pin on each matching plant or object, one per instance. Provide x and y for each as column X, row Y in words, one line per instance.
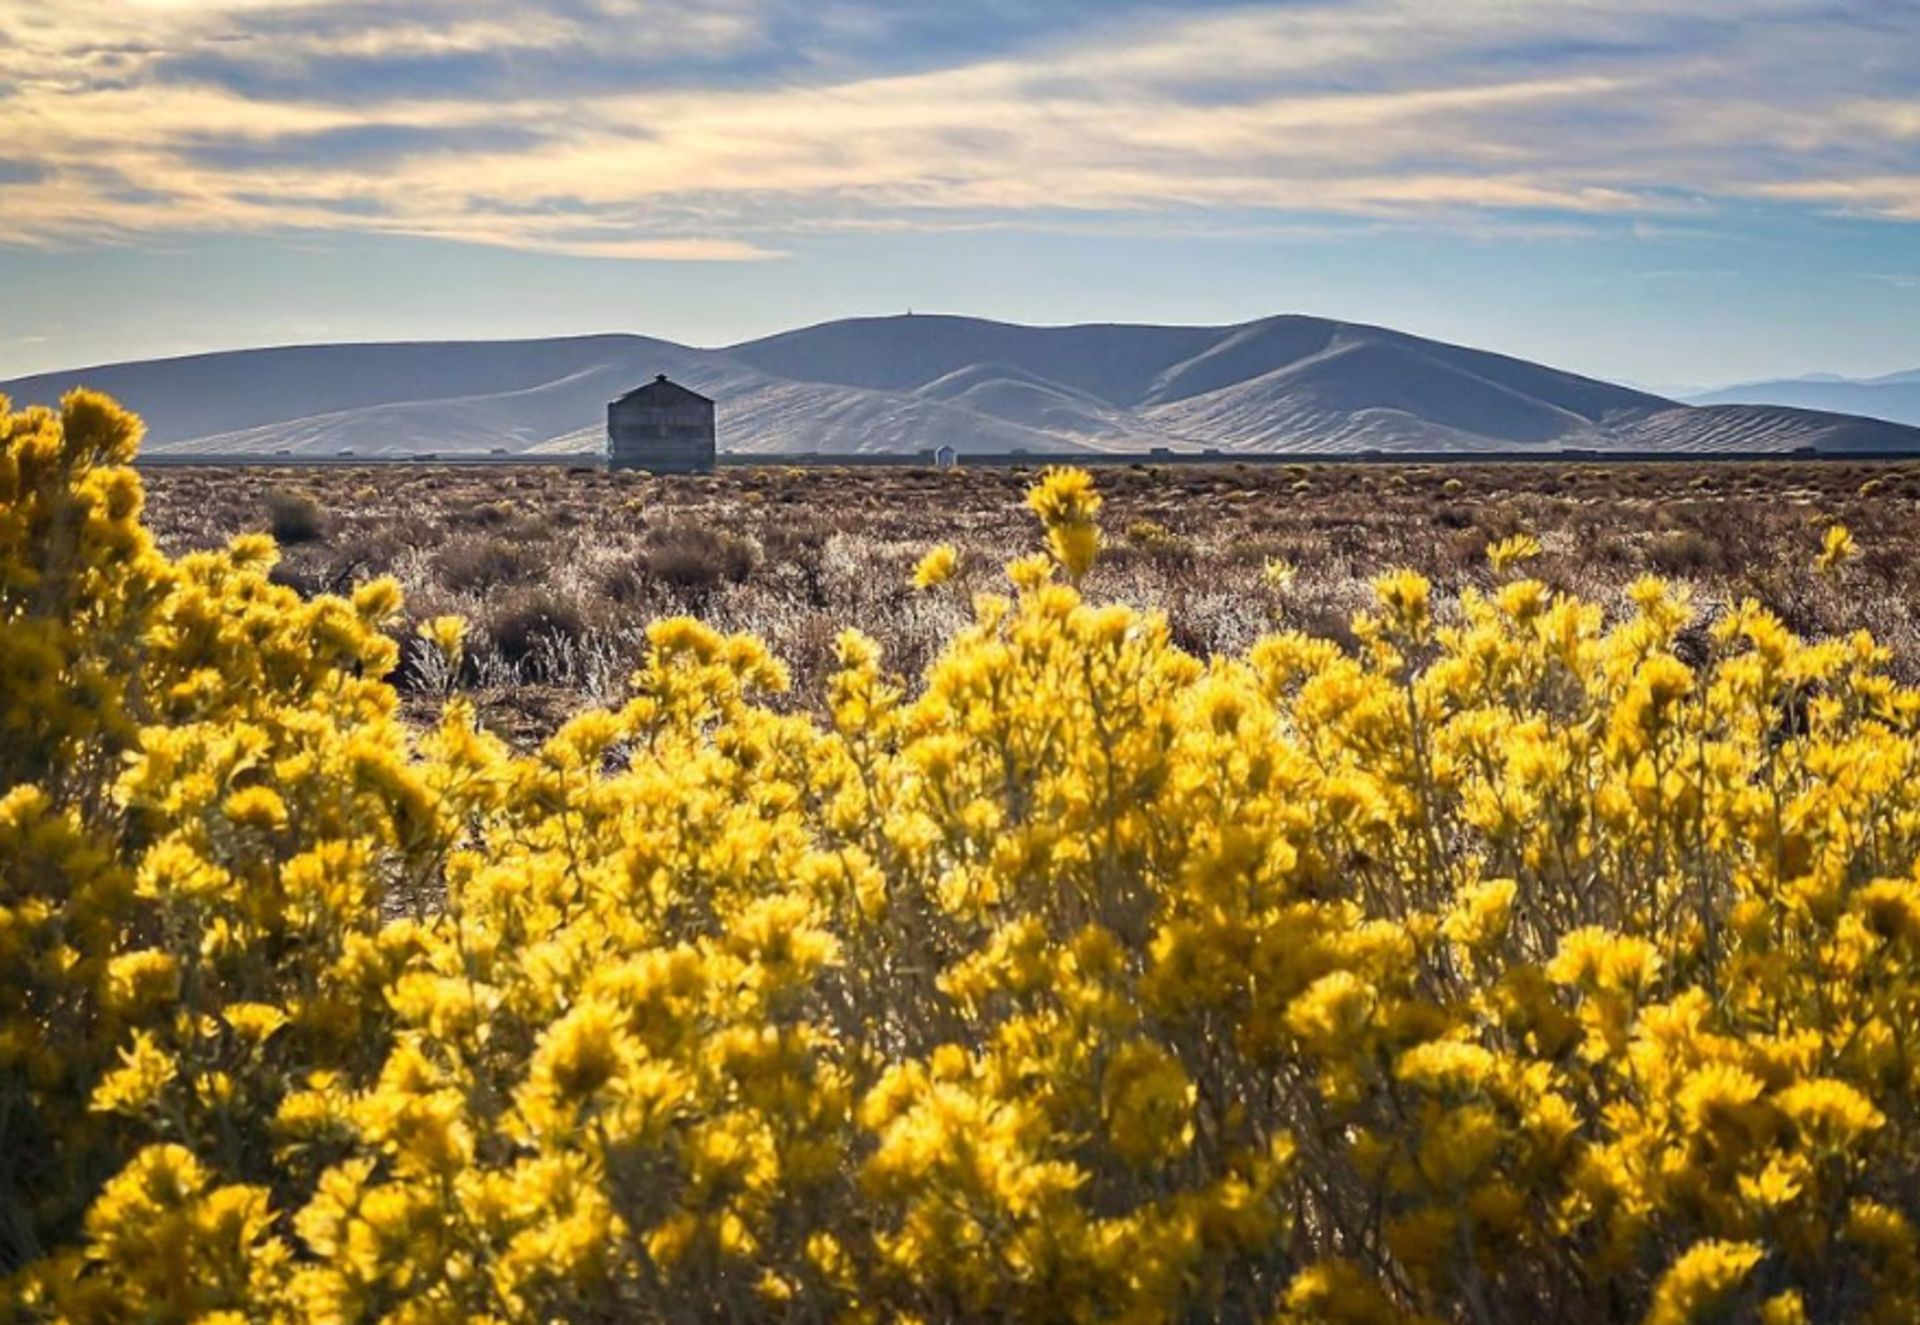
column 1894, row 398
column 908, row 384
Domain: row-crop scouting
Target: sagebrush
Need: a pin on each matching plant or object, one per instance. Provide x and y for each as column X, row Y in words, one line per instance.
column 795, row 555
column 1504, row 963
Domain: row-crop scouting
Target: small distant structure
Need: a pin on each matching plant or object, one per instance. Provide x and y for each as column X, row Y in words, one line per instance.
column 661, row 427
column 945, row 457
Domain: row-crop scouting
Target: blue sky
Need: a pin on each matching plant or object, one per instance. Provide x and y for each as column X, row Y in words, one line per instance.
column 1664, row 192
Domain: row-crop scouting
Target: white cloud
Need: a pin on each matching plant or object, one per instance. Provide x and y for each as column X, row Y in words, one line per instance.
column 1465, row 114
column 1896, row 196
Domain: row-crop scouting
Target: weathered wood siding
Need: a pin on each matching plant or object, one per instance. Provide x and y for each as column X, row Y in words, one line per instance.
column 666, row 431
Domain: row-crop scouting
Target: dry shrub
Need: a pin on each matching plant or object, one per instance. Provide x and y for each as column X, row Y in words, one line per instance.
column 1160, row 544
column 525, row 618
column 484, row 515
column 838, row 542
column 472, row 563
column 697, row 557
column 800, row 547
column 1686, row 552
column 295, row 517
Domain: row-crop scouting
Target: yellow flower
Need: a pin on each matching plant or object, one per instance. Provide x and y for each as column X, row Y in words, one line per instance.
column 141, row 979
column 145, row 1071
column 1836, row 548
column 1510, row 552
column 1446, row 1065
column 1335, row 1008
column 1336, row 1293
column 1787, row 1308
column 1719, row 1095
column 1479, row 919
column 582, row 1052
column 254, row 1022
column 936, row 567
column 1829, row 1112
column 256, row 807
column 1699, row 1284
column 1604, row 960
column 1568, row 952
column 1066, row 502
column 378, row 601
column 448, row 634
column 1148, row 1096
column 1882, row 1228
column 1407, row 597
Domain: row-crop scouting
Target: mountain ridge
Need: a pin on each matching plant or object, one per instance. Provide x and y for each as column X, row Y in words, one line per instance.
column 1287, row 383
column 1893, row 397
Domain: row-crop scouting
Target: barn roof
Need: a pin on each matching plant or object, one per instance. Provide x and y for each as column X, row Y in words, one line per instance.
column 660, row 391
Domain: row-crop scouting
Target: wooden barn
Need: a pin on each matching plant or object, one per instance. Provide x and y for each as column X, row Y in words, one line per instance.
column 663, row 428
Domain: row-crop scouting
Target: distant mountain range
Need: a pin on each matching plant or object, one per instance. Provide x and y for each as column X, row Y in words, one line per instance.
column 1895, row 397
column 908, row 384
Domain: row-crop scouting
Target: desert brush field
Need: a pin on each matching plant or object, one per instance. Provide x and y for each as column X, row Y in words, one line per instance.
column 942, row 897
column 559, row 570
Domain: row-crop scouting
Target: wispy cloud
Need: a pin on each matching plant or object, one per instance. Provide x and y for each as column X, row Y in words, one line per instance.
column 719, row 129
column 1896, row 196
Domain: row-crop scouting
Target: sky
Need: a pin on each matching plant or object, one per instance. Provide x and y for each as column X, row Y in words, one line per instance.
column 1673, row 193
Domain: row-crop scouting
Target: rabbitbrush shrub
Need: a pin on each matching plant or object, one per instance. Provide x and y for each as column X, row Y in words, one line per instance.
column 1504, row 967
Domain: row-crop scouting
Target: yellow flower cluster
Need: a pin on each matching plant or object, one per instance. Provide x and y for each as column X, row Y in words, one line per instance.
column 1066, row 503
column 1502, row 965
column 936, row 567
column 1836, row 547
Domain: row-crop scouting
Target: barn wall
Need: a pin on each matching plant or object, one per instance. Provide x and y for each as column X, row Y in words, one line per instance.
column 670, row 439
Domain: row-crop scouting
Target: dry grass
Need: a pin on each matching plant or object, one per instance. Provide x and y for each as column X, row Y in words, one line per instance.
column 560, row 569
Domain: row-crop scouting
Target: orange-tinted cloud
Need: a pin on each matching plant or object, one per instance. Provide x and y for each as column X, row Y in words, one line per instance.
column 709, row 129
